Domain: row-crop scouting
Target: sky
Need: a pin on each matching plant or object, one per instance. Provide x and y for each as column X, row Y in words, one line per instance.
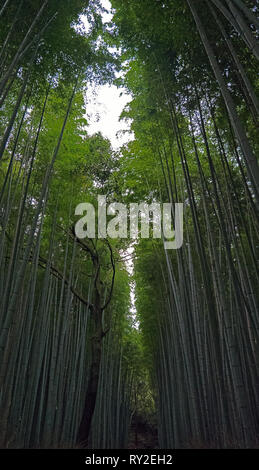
column 105, row 103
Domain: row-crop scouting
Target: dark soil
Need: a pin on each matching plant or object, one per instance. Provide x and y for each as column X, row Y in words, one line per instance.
column 142, row 435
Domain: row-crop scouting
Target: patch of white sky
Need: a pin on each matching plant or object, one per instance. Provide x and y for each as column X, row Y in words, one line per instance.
column 105, row 103
column 128, row 256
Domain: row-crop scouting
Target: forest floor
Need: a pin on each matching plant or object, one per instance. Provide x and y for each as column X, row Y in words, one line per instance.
column 142, row 435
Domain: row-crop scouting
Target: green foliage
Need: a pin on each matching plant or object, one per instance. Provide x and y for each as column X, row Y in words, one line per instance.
column 188, row 362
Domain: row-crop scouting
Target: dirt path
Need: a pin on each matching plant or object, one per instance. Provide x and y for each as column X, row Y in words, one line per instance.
column 142, row 435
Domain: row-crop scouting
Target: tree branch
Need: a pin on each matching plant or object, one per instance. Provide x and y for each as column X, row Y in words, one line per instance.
column 59, row 275
column 113, row 276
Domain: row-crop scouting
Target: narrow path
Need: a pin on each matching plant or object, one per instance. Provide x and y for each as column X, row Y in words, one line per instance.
column 142, row 435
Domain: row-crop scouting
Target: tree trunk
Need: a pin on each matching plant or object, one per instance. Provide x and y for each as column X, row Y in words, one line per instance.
column 245, row 29
column 4, row 7
column 251, row 162
column 240, row 26
column 20, row 51
column 92, row 388
column 239, row 66
column 247, row 12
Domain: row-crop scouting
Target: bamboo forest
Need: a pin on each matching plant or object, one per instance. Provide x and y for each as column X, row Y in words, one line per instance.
column 116, row 342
